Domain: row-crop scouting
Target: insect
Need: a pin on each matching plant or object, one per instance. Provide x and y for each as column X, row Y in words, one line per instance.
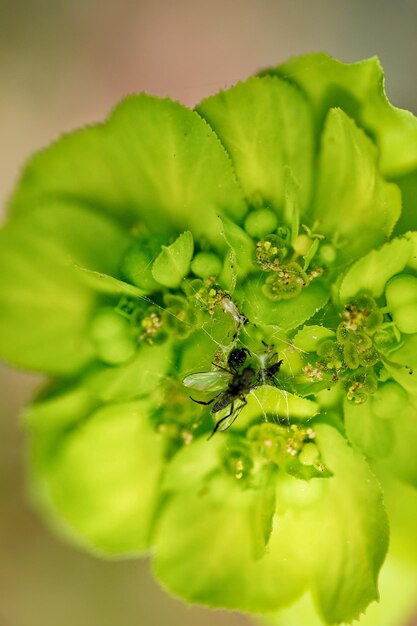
column 233, row 383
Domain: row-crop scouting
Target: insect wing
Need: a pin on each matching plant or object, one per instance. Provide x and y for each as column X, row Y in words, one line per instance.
column 225, row 423
column 207, row 381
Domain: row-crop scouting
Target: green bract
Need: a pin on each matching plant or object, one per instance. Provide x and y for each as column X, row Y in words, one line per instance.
column 226, row 301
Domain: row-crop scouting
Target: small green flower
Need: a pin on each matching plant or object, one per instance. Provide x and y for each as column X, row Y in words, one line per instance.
column 259, row 254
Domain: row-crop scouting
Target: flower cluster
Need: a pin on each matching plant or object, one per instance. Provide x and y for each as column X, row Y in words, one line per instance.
column 259, row 254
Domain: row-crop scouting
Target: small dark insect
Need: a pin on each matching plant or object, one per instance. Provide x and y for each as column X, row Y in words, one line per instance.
column 233, row 383
column 236, row 358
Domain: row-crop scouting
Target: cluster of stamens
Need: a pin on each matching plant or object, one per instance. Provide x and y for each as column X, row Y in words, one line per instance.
column 287, row 277
column 151, row 325
column 290, row 448
column 353, row 354
column 210, row 294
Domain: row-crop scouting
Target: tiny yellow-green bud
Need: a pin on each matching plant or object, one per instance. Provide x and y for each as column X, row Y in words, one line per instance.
column 302, row 244
column 206, row 264
column 309, row 454
column 260, row 223
column 401, row 295
column 112, row 337
column 327, row 254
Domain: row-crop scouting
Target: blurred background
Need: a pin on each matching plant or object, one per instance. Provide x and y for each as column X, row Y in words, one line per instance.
column 65, row 63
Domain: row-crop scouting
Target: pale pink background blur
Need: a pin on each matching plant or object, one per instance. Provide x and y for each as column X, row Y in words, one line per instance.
column 64, row 63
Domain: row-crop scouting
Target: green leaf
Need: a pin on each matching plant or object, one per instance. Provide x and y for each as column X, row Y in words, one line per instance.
column 404, row 374
column 309, row 337
column 242, row 251
column 153, row 160
column 265, row 125
column 268, row 400
column 206, row 547
column 412, row 261
column 103, row 283
column 173, row 262
column 103, row 477
column 402, row 461
column 389, row 399
column 191, row 466
column 291, row 204
column 367, row 432
column 45, row 304
column 373, row 271
column 59, row 407
column 401, row 502
column 408, row 188
column 357, row 209
column 136, row 378
column 398, row 579
column 357, row 88
column 401, row 363
column 406, row 354
column 214, row 560
column 285, row 314
column 398, row 586
column 344, row 574
column 136, row 265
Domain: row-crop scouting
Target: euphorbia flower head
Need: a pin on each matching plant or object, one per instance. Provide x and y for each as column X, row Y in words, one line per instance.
column 257, row 254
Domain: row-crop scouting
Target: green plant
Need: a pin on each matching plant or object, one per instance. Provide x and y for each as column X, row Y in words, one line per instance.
column 144, row 256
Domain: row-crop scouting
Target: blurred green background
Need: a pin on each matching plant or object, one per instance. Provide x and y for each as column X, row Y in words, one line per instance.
column 65, row 63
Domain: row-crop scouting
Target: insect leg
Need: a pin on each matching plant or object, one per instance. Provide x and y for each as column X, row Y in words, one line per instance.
column 222, row 368
column 215, row 429
column 220, row 422
column 268, row 349
column 202, row 401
